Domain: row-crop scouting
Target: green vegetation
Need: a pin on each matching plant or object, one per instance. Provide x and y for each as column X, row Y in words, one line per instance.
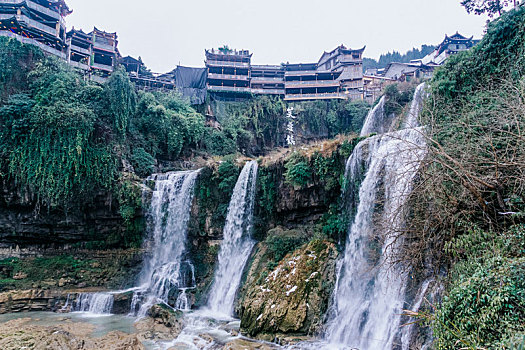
column 469, row 206
column 281, row 242
column 259, row 124
column 394, row 56
column 397, row 99
column 115, row 270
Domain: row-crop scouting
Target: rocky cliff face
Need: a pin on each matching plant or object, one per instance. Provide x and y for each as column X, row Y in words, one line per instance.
column 23, row 223
column 291, row 298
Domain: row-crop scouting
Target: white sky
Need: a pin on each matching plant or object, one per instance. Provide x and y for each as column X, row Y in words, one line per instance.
column 166, row 33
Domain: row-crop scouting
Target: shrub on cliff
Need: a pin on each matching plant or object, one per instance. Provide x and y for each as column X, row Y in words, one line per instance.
column 469, row 200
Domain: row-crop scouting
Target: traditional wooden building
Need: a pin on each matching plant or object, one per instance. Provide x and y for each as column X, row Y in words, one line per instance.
column 267, row 80
column 80, row 49
column 105, row 53
column 37, row 22
column 143, row 78
column 95, row 53
column 449, row 46
column 374, row 85
column 337, row 75
column 228, row 70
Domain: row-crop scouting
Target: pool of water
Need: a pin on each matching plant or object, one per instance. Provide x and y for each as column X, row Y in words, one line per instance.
column 202, row 330
column 103, row 323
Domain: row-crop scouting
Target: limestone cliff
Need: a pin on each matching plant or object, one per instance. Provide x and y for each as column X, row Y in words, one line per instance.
column 291, row 298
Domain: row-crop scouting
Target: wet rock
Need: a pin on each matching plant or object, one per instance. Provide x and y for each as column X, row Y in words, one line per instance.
column 244, row 344
column 122, row 303
column 293, row 297
column 29, row 300
column 20, row 334
column 162, row 323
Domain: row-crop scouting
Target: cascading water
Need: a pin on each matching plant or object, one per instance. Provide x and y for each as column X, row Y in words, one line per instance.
column 376, row 120
column 406, row 332
column 415, row 107
column 370, row 292
column 94, row 303
column 168, row 220
column 237, row 243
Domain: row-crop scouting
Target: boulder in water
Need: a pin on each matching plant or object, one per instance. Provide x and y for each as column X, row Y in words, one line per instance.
column 293, row 297
column 161, row 323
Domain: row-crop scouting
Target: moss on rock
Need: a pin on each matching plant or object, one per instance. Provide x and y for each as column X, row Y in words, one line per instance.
column 292, row 297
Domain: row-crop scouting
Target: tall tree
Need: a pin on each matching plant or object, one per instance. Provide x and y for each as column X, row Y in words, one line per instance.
column 490, row 7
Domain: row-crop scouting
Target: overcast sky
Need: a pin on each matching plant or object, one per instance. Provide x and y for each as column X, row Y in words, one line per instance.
column 166, row 33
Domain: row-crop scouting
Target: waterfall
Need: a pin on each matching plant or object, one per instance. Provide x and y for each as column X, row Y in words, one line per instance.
column 370, row 290
column 376, row 120
column 168, row 218
column 94, row 303
column 237, row 243
column 415, row 107
column 406, row 332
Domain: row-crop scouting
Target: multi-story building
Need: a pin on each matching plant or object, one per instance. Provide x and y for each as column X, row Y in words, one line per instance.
column 80, row 49
column 94, row 53
column 267, row 80
column 105, row 54
column 143, row 78
column 338, row 74
column 37, row 22
column 449, row 46
column 228, row 70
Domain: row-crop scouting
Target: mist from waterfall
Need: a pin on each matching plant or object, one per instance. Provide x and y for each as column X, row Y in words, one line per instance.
column 237, row 243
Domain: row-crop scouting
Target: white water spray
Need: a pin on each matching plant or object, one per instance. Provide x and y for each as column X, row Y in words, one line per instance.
column 94, row 303
column 168, row 223
column 237, row 243
column 370, row 292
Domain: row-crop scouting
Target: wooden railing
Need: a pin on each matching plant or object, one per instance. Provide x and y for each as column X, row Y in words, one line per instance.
column 34, row 6
column 31, row 23
column 311, row 83
column 30, row 41
column 102, row 67
column 319, row 96
column 229, row 88
column 227, row 64
column 228, row 76
column 80, row 49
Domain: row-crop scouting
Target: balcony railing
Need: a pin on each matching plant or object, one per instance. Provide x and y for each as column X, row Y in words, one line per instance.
column 320, row 96
column 102, row 67
column 227, row 64
column 106, row 47
column 300, row 73
column 311, row 83
column 79, row 65
column 80, row 49
column 30, row 41
column 271, row 80
column 32, row 23
column 228, row 88
column 228, row 76
column 34, row 6
column 268, row 91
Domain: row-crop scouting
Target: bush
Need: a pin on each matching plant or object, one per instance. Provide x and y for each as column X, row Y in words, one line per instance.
column 298, row 171
column 485, row 309
column 217, row 143
column 143, row 162
column 280, row 242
